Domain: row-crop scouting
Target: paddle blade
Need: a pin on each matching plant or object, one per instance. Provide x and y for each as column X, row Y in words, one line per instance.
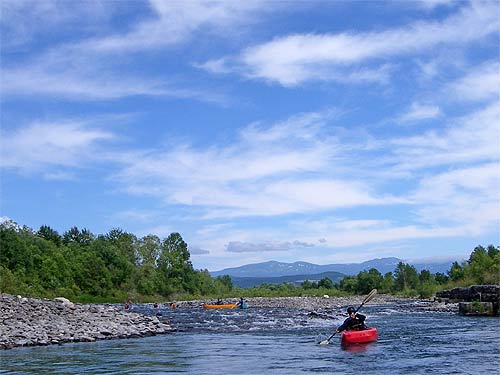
column 324, row 342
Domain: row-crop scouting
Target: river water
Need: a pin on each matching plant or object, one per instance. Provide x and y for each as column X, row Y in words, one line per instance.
column 279, row 341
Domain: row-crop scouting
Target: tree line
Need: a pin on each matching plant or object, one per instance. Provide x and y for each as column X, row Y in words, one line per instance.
column 116, row 265
column 119, row 265
column 482, row 267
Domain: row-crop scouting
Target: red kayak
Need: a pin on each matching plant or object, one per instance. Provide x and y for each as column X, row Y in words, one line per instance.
column 359, row 337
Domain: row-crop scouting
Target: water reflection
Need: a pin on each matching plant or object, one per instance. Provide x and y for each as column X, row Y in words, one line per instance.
column 356, row 347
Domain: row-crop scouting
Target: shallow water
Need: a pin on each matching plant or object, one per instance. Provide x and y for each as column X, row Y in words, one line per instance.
column 279, row 341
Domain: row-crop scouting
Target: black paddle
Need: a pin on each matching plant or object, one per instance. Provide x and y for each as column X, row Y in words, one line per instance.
column 368, row 298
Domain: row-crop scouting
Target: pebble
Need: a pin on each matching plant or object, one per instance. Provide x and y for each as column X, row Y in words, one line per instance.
column 29, row 322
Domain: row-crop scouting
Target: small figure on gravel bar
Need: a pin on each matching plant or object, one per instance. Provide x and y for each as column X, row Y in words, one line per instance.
column 355, row 321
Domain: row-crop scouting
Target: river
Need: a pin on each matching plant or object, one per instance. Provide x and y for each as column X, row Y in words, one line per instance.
column 279, row 341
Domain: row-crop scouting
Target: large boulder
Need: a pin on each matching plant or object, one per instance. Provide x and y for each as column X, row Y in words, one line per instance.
column 481, row 293
column 487, row 296
column 65, row 302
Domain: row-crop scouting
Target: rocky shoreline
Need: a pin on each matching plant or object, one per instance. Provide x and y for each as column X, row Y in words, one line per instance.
column 30, row 322
column 334, row 304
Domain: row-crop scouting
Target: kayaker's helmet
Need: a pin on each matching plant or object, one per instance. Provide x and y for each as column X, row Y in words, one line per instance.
column 350, row 310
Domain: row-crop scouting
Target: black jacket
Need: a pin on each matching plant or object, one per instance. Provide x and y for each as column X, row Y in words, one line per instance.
column 356, row 323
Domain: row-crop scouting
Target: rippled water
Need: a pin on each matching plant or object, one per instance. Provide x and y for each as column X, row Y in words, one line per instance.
column 279, row 341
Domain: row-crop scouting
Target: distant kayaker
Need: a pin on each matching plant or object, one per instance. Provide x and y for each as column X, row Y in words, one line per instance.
column 355, row 321
column 128, row 305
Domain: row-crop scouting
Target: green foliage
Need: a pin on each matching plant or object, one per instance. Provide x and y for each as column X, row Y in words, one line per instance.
column 117, row 266
column 406, row 277
column 368, row 281
column 106, row 266
column 325, row 283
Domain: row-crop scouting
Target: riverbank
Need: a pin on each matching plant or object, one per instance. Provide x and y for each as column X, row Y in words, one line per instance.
column 333, row 304
column 30, row 322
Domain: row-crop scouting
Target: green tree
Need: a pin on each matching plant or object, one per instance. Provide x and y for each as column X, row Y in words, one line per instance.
column 148, row 250
column 175, row 270
column 325, row 283
column 441, row 278
column 387, row 284
column 306, row 284
column 50, row 234
column 224, row 284
column 456, row 272
column 368, row 280
column 74, row 235
column 349, row 284
column 406, row 277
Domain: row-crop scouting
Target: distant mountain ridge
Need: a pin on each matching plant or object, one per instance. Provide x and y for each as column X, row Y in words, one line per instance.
column 278, row 269
column 248, row 282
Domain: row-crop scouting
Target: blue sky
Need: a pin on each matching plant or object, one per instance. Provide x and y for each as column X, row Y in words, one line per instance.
column 321, row 131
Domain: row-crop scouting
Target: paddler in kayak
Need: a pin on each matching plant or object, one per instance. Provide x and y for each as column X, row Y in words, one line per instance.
column 355, row 321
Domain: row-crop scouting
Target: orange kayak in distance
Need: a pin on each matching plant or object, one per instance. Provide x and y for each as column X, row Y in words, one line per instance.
column 224, row 306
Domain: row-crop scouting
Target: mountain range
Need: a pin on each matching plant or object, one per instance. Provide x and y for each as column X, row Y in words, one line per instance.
column 274, row 269
column 248, row 282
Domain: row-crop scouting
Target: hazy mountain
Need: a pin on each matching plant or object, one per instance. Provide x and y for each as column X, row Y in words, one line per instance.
column 248, row 282
column 277, row 269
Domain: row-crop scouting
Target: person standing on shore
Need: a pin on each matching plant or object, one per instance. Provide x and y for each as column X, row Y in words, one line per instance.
column 355, row 321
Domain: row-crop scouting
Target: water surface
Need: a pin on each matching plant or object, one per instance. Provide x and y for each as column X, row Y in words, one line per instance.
column 279, row 341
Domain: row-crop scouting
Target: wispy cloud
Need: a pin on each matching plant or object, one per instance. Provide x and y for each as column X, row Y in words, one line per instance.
column 25, row 21
column 174, row 22
column 298, row 58
column 245, row 247
column 458, row 196
column 56, row 144
column 267, row 171
column 470, row 139
column 86, row 69
column 481, row 83
column 419, row 112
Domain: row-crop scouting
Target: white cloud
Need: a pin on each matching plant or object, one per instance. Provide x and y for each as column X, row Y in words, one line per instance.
column 77, row 84
column 298, row 58
column 194, row 250
column 265, row 172
column 24, row 21
column 481, row 83
column 86, row 69
column 419, row 112
column 470, row 139
column 469, row 197
column 432, row 4
column 176, row 21
column 43, row 144
column 246, row 247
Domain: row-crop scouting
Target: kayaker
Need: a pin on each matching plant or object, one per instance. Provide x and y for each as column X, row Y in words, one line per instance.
column 355, row 321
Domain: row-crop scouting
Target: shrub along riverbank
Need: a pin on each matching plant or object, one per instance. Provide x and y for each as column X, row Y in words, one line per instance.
column 118, row 266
